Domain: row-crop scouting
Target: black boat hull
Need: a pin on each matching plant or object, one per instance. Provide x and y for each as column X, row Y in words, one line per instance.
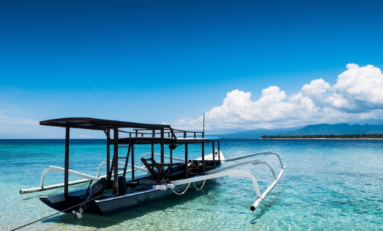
column 112, row 205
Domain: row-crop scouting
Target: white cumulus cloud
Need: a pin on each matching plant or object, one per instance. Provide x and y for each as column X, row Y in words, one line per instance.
column 357, row 95
column 361, row 87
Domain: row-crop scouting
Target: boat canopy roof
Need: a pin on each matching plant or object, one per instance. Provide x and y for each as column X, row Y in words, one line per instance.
column 99, row 124
column 139, row 133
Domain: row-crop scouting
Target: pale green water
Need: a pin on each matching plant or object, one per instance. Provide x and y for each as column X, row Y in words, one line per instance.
column 328, row 185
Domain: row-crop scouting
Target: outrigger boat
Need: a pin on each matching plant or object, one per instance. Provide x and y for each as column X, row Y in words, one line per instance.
column 122, row 189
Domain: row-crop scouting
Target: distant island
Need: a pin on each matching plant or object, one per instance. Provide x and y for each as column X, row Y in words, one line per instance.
column 316, row 131
column 344, row 136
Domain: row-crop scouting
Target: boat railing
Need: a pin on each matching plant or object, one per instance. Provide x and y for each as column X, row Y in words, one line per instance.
column 171, row 133
column 136, row 133
column 185, row 134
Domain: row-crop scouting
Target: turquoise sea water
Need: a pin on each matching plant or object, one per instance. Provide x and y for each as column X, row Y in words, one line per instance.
column 327, row 185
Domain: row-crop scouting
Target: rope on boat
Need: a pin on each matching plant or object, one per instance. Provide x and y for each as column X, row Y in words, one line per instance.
column 201, row 186
column 182, row 193
column 54, row 214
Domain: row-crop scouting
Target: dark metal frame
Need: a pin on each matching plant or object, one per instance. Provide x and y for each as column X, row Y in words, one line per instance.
column 142, row 134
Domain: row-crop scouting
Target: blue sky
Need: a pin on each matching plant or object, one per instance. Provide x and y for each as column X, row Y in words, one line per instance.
column 172, row 61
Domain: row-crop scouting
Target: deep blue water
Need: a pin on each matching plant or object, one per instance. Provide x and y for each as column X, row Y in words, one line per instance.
column 328, row 185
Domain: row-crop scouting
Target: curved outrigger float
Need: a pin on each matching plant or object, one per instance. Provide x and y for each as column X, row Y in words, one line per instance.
column 122, row 189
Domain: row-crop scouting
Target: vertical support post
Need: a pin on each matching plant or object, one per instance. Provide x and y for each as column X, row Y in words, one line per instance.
column 132, row 151
column 212, row 146
column 108, row 173
column 115, row 161
column 186, row 158
column 153, row 135
column 127, row 159
column 203, row 157
column 219, row 152
column 162, row 146
column 171, row 159
column 171, row 156
column 203, row 145
column 66, row 172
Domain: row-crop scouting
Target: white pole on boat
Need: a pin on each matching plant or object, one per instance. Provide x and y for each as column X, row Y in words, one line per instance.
column 262, row 197
column 203, row 124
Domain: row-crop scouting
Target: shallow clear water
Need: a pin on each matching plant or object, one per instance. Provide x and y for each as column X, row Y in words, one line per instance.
column 327, row 185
